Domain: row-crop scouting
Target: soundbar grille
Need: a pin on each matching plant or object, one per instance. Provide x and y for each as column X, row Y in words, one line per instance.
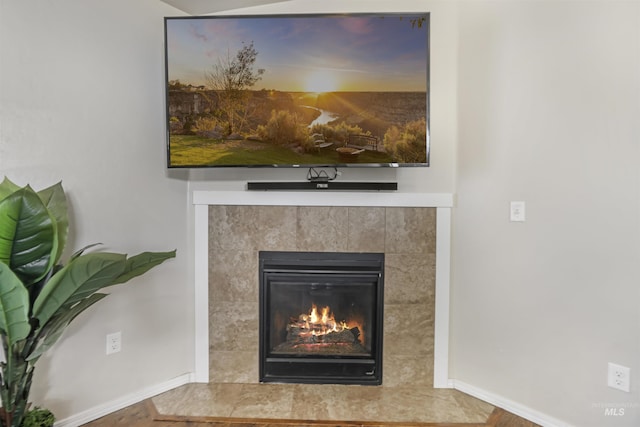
column 323, row 185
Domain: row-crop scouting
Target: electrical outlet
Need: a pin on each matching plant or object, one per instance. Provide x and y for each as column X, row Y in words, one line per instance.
column 114, row 343
column 619, row 377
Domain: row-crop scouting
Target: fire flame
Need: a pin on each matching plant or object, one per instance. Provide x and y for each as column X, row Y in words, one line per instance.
column 322, row 323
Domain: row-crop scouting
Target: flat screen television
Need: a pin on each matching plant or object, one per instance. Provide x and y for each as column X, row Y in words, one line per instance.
column 313, row 90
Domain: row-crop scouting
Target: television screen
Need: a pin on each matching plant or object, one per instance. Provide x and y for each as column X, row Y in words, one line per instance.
column 298, row 90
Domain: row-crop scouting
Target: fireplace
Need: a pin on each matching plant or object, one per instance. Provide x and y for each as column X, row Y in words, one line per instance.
column 321, row 317
column 415, row 243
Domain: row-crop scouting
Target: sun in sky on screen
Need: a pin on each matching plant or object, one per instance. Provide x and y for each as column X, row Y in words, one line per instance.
column 319, row 81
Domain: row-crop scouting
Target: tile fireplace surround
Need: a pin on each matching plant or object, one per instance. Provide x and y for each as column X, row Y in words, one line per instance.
column 411, row 229
column 405, row 235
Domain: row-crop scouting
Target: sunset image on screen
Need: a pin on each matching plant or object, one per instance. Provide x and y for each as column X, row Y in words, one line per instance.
column 297, row 90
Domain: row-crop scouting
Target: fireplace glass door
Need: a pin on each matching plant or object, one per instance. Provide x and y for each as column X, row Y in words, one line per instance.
column 321, row 317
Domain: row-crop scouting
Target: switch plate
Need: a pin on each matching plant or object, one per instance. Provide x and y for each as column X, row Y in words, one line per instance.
column 517, row 213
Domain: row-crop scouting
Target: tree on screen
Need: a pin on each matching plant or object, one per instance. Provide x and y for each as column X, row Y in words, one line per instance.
column 231, row 78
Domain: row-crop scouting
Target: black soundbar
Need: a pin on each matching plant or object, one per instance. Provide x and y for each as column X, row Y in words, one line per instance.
column 323, row 185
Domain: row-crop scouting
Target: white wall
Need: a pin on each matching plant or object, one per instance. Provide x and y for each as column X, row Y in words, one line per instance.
column 81, row 101
column 549, row 107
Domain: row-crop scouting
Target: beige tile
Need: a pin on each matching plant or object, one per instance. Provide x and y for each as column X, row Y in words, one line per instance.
column 419, row 405
column 233, row 367
column 366, row 229
column 172, row 401
column 317, row 401
column 410, row 230
column 233, row 277
column 199, row 400
column 264, row 401
column 324, row 402
column 277, row 226
column 322, row 229
column 403, row 371
column 234, row 326
column 407, row 330
column 474, row 410
column 409, row 279
column 233, row 228
column 338, row 402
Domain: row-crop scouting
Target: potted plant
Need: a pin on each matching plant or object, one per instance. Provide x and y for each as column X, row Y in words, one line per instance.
column 39, row 295
column 38, row 417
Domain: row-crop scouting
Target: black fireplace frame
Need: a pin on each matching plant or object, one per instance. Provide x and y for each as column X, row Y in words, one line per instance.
column 320, row 369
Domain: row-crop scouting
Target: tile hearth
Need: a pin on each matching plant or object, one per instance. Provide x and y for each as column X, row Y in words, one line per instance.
column 323, row 402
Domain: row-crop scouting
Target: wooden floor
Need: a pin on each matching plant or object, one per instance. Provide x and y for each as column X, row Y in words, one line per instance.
column 144, row 414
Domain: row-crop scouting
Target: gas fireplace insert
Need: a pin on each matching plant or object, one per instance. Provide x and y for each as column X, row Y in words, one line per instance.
column 321, row 317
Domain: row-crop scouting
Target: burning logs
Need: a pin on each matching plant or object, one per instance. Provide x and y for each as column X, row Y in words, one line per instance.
column 319, row 334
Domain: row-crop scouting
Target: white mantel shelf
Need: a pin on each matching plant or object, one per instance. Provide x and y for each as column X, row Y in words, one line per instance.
column 324, row 198
column 443, row 202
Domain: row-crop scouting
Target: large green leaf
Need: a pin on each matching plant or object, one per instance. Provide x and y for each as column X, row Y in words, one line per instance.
column 143, row 262
column 56, row 202
column 28, row 235
column 79, row 279
column 7, row 187
column 14, row 306
column 58, row 323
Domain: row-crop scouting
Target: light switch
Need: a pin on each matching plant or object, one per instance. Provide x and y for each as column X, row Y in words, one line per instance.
column 517, row 212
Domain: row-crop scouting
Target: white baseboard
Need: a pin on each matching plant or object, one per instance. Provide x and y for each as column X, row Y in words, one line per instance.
column 509, row 405
column 115, row 405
